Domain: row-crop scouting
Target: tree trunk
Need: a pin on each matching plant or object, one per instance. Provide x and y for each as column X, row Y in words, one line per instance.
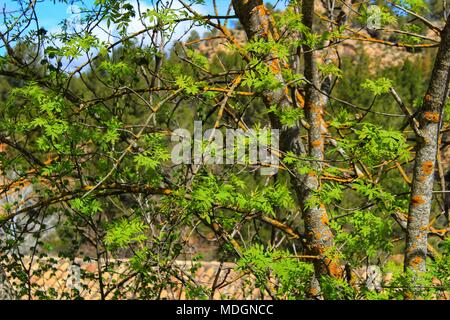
column 316, row 219
column 429, row 117
column 258, row 23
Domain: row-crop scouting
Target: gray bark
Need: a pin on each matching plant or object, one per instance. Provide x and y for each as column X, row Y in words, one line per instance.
column 316, row 219
column 257, row 23
column 429, row 117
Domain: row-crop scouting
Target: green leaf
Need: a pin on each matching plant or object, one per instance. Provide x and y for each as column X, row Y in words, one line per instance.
column 378, row 86
column 122, row 233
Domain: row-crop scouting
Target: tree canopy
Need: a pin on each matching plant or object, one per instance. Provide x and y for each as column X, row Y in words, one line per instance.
column 353, row 97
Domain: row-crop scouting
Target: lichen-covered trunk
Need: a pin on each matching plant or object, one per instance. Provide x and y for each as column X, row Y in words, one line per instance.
column 423, row 177
column 258, row 23
column 6, row 290
column 320, row 237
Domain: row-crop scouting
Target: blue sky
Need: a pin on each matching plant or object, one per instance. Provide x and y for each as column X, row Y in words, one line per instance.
column 51, row 12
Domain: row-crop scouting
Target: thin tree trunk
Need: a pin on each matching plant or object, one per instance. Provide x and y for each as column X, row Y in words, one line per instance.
column 316, row 220
column 258, row 23
column 429, row 117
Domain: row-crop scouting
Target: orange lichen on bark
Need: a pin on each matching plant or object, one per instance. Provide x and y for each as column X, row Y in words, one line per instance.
column 319, row 120
column 263, row 15
column 427, row 167
column 431, row 116
column 344, row 180
column 314, row 108
column 333, row 268
column 417, row 200
column 316, row 143
column 414, row 262
column 324, row 218
column 439, row 231
column 275, row 66
column 422, row 178
column 300, row 99
column 313, row 291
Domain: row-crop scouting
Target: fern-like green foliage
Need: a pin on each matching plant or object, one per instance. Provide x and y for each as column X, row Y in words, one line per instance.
column 123, row 233
column 373, row 144
column 292, row 275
